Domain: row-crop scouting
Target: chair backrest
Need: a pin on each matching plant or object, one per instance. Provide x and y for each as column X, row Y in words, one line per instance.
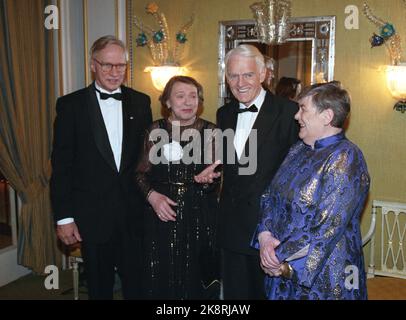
column 392, row 239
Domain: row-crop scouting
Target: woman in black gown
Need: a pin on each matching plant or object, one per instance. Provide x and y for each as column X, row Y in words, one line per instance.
column 180, row 214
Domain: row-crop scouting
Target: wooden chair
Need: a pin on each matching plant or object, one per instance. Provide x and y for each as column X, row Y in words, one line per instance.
column 74, row 257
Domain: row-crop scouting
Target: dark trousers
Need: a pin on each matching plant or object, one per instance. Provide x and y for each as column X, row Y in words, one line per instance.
column 242, row 277
column 122, row 252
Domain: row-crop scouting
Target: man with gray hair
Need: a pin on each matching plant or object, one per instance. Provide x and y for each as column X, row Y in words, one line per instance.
column 98, row 138
column 272, row 117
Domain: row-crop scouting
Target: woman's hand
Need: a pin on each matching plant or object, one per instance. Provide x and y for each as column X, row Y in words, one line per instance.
column 272, row 272
column 208, row 174
column 162, row 206
column 269, row 262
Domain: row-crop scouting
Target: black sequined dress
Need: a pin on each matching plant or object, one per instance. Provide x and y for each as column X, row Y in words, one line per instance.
column 180, row 256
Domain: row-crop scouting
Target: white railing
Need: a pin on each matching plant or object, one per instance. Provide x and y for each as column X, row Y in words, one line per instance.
column 392, row 243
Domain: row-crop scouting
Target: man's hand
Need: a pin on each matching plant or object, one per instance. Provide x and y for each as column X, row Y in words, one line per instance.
column 208, row 174
column 68, row 233
column 162, row 206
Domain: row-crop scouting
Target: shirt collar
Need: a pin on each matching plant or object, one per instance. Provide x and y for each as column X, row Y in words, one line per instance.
column 258, row 101
column 104, row 90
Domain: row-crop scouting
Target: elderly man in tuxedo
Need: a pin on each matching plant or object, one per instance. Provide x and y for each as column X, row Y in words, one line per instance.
column 98, row 136
column 271, row 118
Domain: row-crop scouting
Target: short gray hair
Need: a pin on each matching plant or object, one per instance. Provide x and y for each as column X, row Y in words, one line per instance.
column 249, row 51
column 330, row 95
column 104, row 41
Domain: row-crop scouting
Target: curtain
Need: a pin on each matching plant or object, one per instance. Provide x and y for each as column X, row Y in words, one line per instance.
column 27, row 99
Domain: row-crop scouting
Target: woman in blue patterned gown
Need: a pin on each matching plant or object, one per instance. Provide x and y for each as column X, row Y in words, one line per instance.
column 309, row 235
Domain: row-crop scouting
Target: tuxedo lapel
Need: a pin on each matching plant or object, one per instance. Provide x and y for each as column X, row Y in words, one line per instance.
column 228, row 122
column 126, row 129
column 264, row 121
column 232, row 118
column 99, row 129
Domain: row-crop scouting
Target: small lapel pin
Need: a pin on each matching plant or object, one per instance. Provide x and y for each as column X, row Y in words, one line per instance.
column 131, row 118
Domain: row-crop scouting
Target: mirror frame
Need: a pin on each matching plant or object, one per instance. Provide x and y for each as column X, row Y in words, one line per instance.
column 320, row 30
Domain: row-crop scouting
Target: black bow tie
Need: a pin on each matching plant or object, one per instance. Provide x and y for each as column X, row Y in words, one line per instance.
column 105, row 96
column 252, row 108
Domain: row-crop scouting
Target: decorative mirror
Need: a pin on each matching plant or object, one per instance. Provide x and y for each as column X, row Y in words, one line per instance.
column 308, row 53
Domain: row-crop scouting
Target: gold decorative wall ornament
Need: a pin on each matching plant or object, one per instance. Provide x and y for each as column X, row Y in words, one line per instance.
column 387, row 35
column 396, row 72
column 165, row 53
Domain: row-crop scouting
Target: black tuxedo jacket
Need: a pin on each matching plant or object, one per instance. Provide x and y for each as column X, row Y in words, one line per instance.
column 85, row 182
column 277, row 130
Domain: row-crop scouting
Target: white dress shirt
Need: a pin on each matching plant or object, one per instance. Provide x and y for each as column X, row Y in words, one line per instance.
column 111, row 110
column 245, row 122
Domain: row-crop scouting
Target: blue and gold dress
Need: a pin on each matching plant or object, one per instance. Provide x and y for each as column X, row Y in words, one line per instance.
column 316, row 199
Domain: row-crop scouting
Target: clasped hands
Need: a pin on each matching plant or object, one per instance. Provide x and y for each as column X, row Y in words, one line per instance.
column 268, row 260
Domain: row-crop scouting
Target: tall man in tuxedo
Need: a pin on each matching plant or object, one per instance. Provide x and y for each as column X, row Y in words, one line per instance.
column 276, row 130
column 98, row 136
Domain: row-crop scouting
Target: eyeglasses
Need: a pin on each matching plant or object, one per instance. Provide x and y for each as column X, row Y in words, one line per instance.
column 107, row 67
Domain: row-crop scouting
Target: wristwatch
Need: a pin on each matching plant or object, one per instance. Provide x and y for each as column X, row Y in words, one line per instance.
column 287, row 270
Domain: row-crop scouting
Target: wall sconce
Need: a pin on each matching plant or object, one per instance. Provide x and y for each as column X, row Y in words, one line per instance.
column 165, row 55
column 396, row 72
column 396, row 82
column 160, row 75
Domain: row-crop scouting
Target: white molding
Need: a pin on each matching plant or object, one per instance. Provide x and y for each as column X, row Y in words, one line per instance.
column 71, row 40
column 86, row 41
column 66, row 58
column 121, row 20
